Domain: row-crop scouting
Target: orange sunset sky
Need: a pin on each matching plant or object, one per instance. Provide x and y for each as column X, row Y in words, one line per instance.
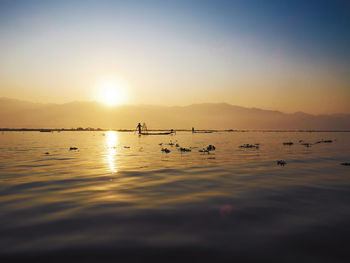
column 289, row 57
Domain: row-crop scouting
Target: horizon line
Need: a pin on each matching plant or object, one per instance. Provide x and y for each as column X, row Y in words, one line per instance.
column 176, row 129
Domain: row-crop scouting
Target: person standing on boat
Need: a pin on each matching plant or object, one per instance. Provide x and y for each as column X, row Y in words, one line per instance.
column 139, row 127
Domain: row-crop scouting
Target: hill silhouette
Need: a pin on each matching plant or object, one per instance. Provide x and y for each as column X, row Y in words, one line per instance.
column 22, row 114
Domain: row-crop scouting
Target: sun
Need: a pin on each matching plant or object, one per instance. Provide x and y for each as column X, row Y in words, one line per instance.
column 111, row 93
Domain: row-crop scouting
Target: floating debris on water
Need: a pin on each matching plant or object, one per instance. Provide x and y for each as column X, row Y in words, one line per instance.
column 306, row 144
column 324, row 141
column 73, row 148
column 327, row 141
column 247, row 146
column 208, row 149
column 184, row 149
column 281, row 162
column 346, row 164
column 211, row 148
column 166, row 150
column 288, row 143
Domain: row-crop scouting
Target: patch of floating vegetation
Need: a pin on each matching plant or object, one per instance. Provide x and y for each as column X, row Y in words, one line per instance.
column 281, row 162
column 208, row 149
column 250, row 146
column 306, row 144
column 211, row 147
column 324, row 141
column 182, row 149
column 166, row 150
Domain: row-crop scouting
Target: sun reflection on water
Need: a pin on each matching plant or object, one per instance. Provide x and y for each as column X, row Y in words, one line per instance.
column 111, row 143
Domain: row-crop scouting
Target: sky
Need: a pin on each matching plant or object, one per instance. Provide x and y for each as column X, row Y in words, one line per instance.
column 280, row 55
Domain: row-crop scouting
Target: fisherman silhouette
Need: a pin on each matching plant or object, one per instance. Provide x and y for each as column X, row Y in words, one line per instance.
column 139, row 127
column 142, row 130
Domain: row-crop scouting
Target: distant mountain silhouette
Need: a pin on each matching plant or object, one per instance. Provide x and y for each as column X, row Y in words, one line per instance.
column 22, row 114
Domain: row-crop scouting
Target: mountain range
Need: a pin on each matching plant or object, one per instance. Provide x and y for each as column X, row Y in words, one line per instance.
column 23, row 114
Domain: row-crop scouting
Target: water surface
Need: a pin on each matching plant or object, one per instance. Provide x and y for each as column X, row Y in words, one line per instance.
column 120, row 197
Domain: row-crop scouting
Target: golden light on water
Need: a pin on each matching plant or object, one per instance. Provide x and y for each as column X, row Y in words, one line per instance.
column 111, row 144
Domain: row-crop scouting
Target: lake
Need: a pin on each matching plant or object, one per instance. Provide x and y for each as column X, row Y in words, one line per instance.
column 119, row 197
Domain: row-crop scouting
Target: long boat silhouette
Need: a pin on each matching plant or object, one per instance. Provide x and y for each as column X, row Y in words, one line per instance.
column 142, row 130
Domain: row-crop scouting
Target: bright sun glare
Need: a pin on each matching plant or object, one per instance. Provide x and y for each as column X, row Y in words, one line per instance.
column 111, row 93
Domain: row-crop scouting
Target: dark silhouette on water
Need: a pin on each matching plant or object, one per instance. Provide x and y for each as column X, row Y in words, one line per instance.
column 142, row 130
column 324, row 141
column 249, row 146
column 139, row 127
column 208, row 149
column 211, row 148
column 194, row 131
column 306, row 144
column 166, row 150
column 184, row 149
column 281, row 162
